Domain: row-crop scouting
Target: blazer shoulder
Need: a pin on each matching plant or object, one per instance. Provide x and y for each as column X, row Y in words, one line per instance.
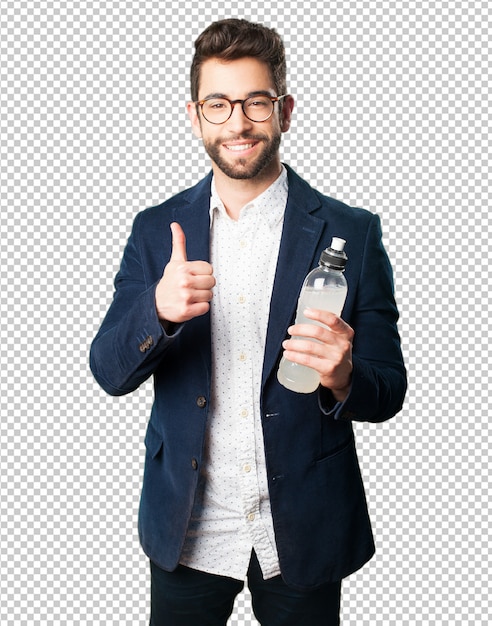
column 199, row 193
column 323, row 206
column 338, row 208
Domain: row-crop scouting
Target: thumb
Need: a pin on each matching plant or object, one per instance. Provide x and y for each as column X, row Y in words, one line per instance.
column 179, row 243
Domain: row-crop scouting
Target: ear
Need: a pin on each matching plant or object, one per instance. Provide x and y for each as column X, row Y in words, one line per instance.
column 286, row 115
column 196, row 125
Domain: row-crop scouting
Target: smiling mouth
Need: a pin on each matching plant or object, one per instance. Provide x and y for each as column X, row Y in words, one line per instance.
column 239, row 147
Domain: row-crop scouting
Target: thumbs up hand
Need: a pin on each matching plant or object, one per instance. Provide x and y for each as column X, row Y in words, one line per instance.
column 185, row 289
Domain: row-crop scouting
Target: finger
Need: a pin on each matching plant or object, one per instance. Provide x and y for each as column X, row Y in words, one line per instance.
column 202, row 295
column 312, row 331
column 301, row 347
column 179, row 243
column 200, row 268
column 334, row 322
column 203, row 281
column 322, row 334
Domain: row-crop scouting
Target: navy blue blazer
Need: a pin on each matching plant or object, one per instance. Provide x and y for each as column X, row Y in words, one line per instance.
column 321, row 522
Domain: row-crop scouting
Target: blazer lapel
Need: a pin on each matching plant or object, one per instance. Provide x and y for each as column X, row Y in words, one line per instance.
column 194, row 217
column 300, row 238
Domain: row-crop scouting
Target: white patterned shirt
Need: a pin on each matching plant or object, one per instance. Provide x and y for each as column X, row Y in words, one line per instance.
column 231, row 514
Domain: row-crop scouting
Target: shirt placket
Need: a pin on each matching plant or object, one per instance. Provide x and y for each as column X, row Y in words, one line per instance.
column 250, row 353
column 246, row 461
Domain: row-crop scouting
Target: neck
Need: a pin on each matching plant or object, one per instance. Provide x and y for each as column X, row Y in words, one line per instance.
column 236, row 193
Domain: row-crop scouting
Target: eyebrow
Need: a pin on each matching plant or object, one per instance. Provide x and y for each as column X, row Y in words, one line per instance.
column 258, row 92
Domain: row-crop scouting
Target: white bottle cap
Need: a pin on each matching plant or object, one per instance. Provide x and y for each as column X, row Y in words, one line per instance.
column 337, row 244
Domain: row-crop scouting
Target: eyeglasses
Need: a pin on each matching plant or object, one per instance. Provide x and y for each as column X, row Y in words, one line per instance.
column 256, row 108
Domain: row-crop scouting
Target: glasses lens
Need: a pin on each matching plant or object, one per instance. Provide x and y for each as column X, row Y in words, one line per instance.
column 216, row 110
column 258, row 108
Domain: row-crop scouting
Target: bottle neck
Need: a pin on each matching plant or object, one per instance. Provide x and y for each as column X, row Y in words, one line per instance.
column 330, row 268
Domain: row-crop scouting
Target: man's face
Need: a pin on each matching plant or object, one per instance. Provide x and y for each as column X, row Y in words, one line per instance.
column 240, row 148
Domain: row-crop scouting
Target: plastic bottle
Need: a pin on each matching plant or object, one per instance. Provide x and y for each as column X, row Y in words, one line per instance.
column 324, row 288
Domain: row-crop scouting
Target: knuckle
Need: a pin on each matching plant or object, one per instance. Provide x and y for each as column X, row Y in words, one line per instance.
column 185, row 281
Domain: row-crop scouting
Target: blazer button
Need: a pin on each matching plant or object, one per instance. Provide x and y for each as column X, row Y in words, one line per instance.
column 194, row 464
column 146, row 344
column 201, row 401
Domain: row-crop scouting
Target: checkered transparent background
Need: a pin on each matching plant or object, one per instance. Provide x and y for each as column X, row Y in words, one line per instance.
column 392, row 114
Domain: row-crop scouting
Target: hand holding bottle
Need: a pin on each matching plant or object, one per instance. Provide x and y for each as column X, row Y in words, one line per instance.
column 327, row 349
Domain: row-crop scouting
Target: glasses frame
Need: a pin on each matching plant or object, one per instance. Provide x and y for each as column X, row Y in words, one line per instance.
column 200, row 103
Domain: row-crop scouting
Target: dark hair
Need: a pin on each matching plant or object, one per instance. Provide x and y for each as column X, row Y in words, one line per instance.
column 233, row 39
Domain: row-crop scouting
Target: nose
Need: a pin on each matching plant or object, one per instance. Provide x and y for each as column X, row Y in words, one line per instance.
column 238, row 119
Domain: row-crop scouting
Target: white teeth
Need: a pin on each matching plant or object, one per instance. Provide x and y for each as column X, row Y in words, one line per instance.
column 245, row 146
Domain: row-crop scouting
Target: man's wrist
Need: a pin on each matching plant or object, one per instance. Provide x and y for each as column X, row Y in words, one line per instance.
column 341, row 395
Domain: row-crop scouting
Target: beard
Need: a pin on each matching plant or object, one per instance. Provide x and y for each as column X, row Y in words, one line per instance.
column 243, row 169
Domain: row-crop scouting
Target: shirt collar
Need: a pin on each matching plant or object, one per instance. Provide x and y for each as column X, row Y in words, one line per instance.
column 271, row 203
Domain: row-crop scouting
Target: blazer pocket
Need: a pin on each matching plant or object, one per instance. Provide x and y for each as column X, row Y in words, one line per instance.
column 337, row 451
column 153, row 441
column 339, row 475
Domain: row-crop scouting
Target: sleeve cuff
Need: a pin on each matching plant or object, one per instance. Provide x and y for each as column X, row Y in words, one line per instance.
column 332, row 407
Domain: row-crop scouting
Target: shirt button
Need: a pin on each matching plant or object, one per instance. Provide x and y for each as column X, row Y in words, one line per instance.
column 241, row 299
column 247, row 468
column 194, row 464
column 242, row 357
column 244, row 413
column 242, row 243
column 201, row 401
column 251, row 517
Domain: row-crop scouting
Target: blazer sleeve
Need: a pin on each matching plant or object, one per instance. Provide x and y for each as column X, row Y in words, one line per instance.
column 131, row 340
column 379, row 376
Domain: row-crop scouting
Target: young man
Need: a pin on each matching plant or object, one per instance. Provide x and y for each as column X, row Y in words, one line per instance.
column 244, row 478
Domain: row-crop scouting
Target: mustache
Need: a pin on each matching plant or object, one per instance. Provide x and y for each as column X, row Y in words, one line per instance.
column 244, row 137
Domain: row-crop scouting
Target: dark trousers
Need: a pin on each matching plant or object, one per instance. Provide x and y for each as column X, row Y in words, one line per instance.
column 187, row 597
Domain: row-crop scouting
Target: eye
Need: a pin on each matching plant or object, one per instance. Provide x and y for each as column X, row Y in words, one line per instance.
column 216, row 105
column 258, row 103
